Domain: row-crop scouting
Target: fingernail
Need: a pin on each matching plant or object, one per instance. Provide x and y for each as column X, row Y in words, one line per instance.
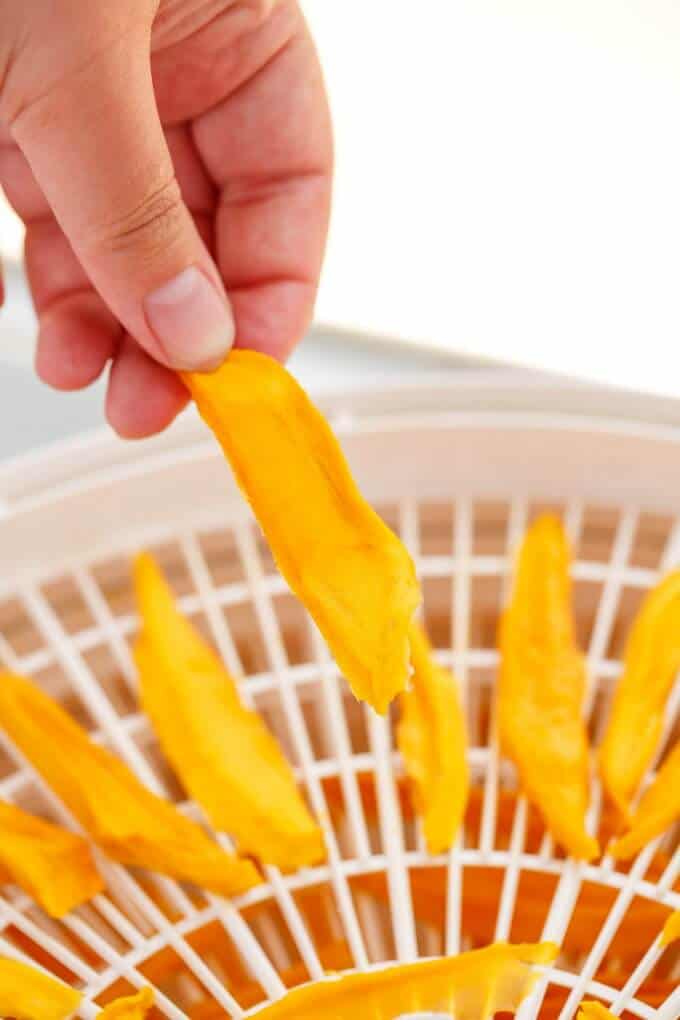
column 191, row 321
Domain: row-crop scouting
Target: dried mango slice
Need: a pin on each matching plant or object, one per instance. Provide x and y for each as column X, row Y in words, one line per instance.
column 671, row 929
column 350, row 571
column 224, row 754
column 542, row 685
column 431, row 737
column 52, row 865
column 591, row 1010
column 659, row 807
column 651, row 663
column 124, row 818
column 131, row 1007
column 472, row 986
column 27, row 993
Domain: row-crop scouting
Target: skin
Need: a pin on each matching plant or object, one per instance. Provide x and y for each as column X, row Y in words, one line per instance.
column 141, row 136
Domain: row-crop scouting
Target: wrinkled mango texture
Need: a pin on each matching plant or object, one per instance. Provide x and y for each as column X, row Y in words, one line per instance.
column 223, row 752
column 472, row 986
column 52, row 865
column 542, row 686
column 341, row 560
column 129, row 822
column 432, row 739
column 650, row 666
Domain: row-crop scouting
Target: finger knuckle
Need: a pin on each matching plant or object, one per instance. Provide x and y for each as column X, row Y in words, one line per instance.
column 151, row 224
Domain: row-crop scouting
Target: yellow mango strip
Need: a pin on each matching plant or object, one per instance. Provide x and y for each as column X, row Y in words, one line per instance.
column 541, row 688
column 659, row 807
column 591, row 1010
column 131, row 1007
column 671, row 929
column 124, row 818
column 650, row 665
column 223, row 752
column 52, row 865
column 431, row 737
column 341, row 560
column 472, row 986
column 27, row 993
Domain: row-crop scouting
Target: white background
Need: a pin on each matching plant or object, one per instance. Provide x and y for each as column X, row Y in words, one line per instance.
column 508, row 179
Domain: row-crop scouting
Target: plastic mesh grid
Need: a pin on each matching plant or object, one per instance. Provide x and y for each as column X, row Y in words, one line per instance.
column 380, row 896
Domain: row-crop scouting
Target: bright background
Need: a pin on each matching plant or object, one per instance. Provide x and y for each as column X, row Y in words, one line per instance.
column 507, row 180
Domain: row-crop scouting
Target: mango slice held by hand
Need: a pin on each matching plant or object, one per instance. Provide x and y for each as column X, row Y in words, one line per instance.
column 659, row 808
column 128, row 821
column 131, row 1007
column 651, row 663
column 223, row 753
column 541, row 689
column 52, row 865
column 472, row 986
column 431, row 737
column 27, row 993
column 350, row 571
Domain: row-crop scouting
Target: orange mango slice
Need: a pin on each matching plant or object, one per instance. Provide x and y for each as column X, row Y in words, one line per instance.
column 123, row 817
column 591, row 1010
column 223, row 752
column 472, row 986
column 27, row 993
column 671, row 929
column 130, row 1007
column 344, row 564
column 431, row 737
column 542, row 686
column 52, row 865
column 659, row 807
column 651, row 663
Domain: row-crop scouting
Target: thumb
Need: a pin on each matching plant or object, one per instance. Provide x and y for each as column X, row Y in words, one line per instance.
column 97, row 149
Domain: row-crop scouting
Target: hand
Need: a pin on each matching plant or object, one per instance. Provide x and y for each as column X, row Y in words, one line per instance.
column 171, row 160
